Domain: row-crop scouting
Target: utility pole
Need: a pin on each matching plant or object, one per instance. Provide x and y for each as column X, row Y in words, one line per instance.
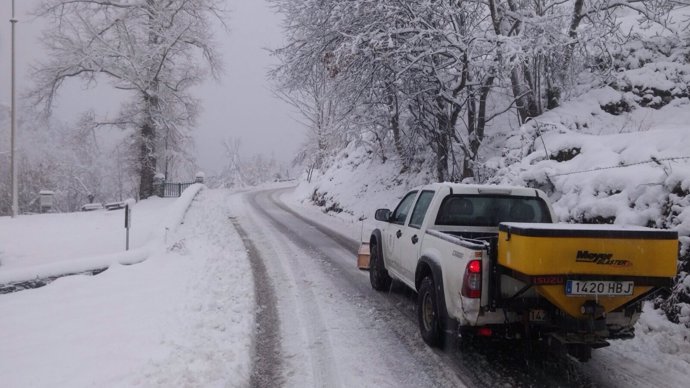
column 13, row 137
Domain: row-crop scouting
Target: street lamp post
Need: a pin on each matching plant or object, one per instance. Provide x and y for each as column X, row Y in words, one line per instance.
column 13, row 137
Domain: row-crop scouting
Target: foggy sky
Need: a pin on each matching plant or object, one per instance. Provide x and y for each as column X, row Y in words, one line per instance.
column 240, row 105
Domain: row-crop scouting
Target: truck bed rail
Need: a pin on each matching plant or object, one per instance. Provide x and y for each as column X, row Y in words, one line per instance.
column 464, row 242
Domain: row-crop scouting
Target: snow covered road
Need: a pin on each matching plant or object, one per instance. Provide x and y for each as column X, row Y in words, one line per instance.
column 332, row 334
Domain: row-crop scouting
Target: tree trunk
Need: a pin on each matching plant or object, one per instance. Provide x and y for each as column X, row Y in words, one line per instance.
column 476, row 121
column 442, row 158
column 521, row 78
column 531, row 80
column 572, row 33
column 394, row 124
column 467, row 158
column 147, row 151
column 519, row 94
column 524, row 93
column 553, row 92
column 443, row 140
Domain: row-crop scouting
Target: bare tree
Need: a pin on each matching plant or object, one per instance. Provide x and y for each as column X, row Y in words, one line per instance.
column 233, row 174
column 146, row 47
column 542, row 44
column 422, row 76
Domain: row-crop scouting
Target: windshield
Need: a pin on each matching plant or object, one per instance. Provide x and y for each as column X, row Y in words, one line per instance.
column 490, row 210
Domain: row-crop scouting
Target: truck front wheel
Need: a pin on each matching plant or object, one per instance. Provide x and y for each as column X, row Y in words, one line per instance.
column 427, row 312
column 378, row 275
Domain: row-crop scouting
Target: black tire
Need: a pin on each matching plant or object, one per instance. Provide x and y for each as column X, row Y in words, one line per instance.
column 378, row 275
column 427, row 313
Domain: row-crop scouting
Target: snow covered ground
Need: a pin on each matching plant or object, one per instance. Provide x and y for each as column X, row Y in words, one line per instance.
column 37, row 239
column 183, row 317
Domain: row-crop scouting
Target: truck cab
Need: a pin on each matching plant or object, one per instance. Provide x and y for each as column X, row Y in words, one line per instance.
column 472, row 212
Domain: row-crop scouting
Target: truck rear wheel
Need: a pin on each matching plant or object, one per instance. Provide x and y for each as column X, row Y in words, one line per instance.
column 378, row 275
column 427, row 313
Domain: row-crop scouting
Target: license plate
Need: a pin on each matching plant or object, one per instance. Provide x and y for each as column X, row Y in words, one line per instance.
column 599, row 287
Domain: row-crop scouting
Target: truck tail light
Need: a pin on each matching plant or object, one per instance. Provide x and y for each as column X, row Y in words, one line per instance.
column 472, row 281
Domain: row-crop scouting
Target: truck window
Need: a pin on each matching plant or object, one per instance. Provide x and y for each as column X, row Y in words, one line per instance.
column 400, row 213
column 490, row 210
column 420, row 209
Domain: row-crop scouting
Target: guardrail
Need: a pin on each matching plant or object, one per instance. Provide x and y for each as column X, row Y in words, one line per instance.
column 171, row 190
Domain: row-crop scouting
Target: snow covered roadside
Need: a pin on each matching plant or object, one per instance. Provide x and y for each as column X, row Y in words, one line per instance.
column 658, row 356
column 38, row 239
column 356, row 185
column 655, row 336
column 70, row 252
column 184, row 317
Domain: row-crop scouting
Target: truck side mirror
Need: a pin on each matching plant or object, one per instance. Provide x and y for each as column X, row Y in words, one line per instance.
column 383, row 215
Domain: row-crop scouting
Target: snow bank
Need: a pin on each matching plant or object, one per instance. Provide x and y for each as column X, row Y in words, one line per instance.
column 625, row 178
column 351, row 189
column 658, row 342
column 355, row 185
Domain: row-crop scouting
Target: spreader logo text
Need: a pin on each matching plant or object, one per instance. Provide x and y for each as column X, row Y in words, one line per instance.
column 601, row 258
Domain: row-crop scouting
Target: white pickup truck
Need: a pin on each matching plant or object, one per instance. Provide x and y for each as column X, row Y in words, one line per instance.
column 489, row 261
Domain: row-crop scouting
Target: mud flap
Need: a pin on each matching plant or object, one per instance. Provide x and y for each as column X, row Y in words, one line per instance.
column 363, row 256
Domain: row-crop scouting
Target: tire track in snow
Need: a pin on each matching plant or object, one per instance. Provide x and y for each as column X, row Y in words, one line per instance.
column 267, row 365
column 304, row 318
column 323, row 363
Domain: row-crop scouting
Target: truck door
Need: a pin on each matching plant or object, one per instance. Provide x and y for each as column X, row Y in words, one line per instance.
column 410, row 241
column 394, row 231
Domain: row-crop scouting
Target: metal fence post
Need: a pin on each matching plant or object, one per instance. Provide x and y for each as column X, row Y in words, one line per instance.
column 128, row 222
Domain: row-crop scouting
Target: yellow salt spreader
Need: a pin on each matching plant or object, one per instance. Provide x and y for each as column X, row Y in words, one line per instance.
column 589, row 279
